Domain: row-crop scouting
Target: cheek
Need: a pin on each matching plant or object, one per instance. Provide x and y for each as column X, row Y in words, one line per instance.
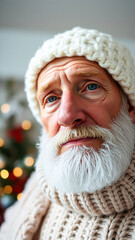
column 109, row 111
column 50, row 124
column 104, row 113
column 114, row 106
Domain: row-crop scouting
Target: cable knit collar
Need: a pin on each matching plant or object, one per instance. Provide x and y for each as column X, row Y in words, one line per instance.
column 116, row 198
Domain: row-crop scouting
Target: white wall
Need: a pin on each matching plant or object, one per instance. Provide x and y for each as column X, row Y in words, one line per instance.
column 17, row 48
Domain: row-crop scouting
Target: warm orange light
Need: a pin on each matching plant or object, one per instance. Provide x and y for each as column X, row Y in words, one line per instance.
column 26, row 125
column 19, row 196
column 5, row 108
column 1, row 142
column 29, row 161
column 4, row 173
column 8, row 189
column 17, row 171
column 2, row 163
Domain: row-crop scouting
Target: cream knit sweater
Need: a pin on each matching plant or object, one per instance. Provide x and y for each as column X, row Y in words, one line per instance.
column 108, row 214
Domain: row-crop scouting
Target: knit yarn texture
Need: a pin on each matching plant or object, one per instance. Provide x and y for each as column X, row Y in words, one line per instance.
column 95, row 46
column 63, row 224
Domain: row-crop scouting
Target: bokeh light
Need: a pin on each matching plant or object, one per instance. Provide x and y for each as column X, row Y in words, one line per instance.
column 8, row 189
column 29, row 161
column 19, row 196
column 5, row 108
column 26, row 125
column 2, row 163
column 1, row 142
column 4, row 174
column 17, row 171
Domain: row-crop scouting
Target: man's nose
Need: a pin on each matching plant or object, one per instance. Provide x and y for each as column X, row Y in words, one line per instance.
column 71, row 111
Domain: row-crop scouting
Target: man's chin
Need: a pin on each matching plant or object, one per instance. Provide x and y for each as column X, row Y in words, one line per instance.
column 81, row 169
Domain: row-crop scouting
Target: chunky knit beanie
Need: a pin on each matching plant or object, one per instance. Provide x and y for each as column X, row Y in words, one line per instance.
column 95, row 46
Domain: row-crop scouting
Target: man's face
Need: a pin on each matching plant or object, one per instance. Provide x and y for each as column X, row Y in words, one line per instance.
column 73, row 92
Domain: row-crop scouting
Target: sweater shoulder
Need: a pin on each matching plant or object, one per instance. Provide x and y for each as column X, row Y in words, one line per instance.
column 21, row 218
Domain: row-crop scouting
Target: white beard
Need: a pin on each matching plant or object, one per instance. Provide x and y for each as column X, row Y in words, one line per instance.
column 82, row 169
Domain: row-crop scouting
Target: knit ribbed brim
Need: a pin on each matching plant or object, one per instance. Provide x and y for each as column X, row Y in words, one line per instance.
column 95, row 46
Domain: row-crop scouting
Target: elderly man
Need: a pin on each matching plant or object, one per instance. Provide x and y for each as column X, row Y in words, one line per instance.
column 80, row 86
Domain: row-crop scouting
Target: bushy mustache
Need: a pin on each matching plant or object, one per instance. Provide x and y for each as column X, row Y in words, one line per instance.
column 81, row 132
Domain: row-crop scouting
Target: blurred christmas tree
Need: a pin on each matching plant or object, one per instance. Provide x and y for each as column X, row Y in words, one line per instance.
column 17, row 147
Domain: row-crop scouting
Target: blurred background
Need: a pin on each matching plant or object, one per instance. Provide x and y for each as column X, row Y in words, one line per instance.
column 24, row 25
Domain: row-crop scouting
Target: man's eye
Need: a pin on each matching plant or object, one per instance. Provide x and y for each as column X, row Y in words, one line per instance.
column 92, row 86
column 52, row 99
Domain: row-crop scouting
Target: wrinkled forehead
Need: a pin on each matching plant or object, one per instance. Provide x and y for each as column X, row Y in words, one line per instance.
column 59, row 63
column 75, row 62
column 64, row 60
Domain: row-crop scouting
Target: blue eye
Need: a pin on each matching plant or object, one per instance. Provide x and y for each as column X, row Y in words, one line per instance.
column 52, row 99
column 92, row 86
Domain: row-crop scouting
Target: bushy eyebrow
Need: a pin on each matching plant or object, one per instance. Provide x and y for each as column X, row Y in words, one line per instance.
column 87, row 74
column 79, row 73
column 42, row 89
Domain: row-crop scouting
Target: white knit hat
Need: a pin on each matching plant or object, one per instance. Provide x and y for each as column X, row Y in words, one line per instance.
column 95, row 46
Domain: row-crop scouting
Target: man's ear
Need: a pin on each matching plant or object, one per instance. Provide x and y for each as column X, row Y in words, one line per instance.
column 131, row 111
